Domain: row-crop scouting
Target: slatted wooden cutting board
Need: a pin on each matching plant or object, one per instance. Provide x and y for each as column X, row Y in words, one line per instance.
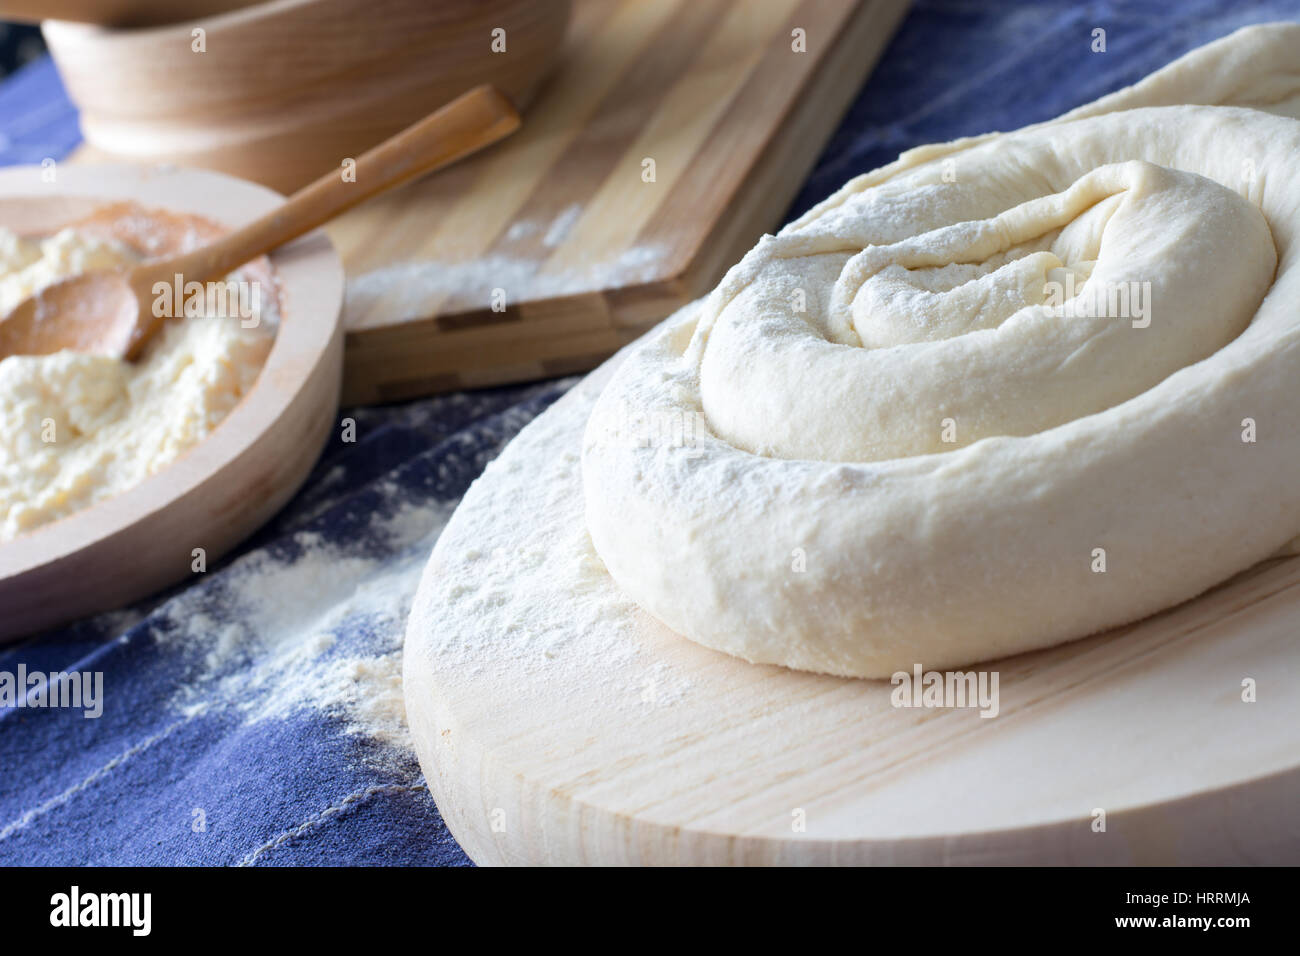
column 586, row 253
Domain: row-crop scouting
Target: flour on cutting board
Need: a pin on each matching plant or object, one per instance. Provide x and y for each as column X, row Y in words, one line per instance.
column 547, row 595
column 267, row 644
column 561, row 225
column 410, row 289
column 556, row 230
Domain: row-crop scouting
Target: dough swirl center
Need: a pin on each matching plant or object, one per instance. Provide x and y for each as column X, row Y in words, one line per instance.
column 1059, row 306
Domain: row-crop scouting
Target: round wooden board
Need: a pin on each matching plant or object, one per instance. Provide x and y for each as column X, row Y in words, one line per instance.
column 558, row 725
column 221, row 490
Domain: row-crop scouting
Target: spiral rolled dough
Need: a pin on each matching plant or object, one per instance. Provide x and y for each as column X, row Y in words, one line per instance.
column 1002, row 393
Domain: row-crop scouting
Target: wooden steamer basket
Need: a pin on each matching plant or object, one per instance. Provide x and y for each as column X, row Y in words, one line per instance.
column 283, row 91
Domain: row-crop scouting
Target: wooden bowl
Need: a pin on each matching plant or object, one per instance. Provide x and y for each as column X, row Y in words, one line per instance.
column 118, row 13
column 223, row 488
column 287, row 89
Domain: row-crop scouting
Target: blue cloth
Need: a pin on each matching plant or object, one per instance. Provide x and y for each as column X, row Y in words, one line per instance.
column 206, row 719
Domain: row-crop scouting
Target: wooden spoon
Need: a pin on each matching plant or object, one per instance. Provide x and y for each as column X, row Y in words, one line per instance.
column 112, row 311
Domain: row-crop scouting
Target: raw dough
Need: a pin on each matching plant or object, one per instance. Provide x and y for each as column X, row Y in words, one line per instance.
column 77, row 428
column 879, row 443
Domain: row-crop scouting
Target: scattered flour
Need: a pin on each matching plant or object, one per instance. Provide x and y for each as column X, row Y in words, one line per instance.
column 521, row 230
column 320, row 629
column 559, row 229
column 524, row 602
column 410, row 289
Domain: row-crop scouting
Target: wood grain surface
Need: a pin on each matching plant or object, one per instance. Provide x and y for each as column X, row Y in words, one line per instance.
column 586, row 254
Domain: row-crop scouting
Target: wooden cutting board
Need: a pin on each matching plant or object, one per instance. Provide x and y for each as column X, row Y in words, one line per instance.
column 582, row 251
column 553, row 732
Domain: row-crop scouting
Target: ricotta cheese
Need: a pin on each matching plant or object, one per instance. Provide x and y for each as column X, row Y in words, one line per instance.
column 78, row 428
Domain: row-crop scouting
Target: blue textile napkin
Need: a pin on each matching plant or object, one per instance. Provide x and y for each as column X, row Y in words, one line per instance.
column 253, row 715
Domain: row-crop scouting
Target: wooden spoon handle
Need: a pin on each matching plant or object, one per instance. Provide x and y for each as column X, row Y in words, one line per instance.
column 466, row 124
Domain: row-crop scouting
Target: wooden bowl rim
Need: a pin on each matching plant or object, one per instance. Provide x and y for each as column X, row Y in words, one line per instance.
column 83, row 32
column 267, row 11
